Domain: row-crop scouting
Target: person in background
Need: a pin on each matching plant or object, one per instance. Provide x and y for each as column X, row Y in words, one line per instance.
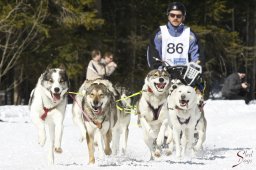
column 110, row 65
column 235, row 87
column 95, row 69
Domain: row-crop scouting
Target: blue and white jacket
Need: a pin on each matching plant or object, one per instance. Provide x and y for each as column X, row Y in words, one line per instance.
column 155, row 46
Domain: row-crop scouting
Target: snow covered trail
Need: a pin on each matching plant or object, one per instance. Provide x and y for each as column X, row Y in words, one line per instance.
column 230, row 140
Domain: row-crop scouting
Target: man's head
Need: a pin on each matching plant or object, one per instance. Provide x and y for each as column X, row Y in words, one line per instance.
column 96, row 55
column 108, row 56
column 176, row 12
column 242, row 72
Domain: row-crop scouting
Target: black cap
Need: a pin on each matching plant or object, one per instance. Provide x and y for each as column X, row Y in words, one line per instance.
column 176, row 6
column 241, row 70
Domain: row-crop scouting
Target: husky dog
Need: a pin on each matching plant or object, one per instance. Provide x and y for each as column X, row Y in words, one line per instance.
column 98, row 115
column 174, row 84
column 152, row 110
column 183, row 117
column 120, row 131
column 47, row 104
column 200, row 128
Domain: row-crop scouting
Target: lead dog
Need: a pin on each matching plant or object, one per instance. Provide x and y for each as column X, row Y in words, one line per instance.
column 152, row 110
column 96, row 117
column 47, row 104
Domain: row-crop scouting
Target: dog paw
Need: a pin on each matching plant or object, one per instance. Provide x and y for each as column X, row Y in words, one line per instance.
column 58, row 150
column 91, row 162
column 157, row 153
column 41, row 140
column 108, row 151
column 197, row 147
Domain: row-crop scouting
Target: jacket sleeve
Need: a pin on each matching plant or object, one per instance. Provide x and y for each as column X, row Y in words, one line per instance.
column 109, row 70
column 154, row 50
column 194, row 48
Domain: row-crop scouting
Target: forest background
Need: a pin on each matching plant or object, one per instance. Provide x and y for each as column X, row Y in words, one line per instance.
column 37, row 33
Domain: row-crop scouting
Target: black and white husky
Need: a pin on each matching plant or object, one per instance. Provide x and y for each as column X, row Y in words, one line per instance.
column 47, row 103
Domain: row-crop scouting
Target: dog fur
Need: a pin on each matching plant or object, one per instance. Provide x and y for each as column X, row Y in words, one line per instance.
column 152, row 110
column 183, row 116
column 120, row 131
column 98, row 103
column 47, row 104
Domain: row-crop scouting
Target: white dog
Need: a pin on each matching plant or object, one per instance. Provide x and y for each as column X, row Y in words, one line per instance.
column 47, row 105
column 183, row 116
column 120, row 131
column 152, row 110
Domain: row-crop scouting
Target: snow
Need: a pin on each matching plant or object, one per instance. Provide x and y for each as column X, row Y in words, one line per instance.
column 230, row 140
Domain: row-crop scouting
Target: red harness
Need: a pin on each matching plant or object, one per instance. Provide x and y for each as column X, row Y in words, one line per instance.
column 46, row 110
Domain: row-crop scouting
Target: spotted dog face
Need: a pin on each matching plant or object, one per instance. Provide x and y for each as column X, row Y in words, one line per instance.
column 174, row 84
column 97, row 97
column 158, row 81
column 56, row 83
column 185, row 97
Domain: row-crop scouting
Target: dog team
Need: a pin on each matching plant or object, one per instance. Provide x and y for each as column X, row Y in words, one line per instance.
column 170, row 114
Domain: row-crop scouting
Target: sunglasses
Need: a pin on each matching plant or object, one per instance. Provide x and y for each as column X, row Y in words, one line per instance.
column 175, row 15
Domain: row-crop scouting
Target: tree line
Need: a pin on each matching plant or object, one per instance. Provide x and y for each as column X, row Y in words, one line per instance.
column 35, row 34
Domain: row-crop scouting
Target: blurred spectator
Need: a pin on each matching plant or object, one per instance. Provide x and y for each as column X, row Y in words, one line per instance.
column 235, row 87
column 109, row 64
column 95, row 69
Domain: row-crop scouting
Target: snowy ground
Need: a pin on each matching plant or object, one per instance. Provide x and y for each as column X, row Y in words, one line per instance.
column 230, row 140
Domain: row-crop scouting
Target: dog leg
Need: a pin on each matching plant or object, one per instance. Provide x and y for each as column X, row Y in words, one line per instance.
column 124, row 139
column 77, row 119
column 190, row 140
column 115, row 140
column 40, row 124
column 90, row 145
column 51, row 143
column 160, row 137
column 149, row 142
column 147, row 127
column 184, row 142
column 107, row 140
column 99, row 139
column 169, row 141
column 58, row 137
column 176, row 137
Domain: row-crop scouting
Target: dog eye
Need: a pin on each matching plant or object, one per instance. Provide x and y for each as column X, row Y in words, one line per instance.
column 91, row 95
column 61, row 81
column 50, row 80
column 101, row 95
column 189, row 91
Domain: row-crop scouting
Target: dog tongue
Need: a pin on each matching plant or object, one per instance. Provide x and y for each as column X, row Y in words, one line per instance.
column 56, row 96
column 161, row 85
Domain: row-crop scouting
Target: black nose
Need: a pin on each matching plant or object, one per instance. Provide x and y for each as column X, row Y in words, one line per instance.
column 174, row 86
column 95, row 102
column 183, row 96
column 56, row 89
column 161, row 79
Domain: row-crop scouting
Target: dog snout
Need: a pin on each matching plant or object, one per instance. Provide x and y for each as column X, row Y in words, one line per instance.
column 95, row 102
column 161, row 79
column 174, row 87
column 56, row 89
column 183, row 96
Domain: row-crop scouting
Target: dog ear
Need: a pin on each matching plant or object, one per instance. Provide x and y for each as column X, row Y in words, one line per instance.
column 62, row 66
column 49, row 67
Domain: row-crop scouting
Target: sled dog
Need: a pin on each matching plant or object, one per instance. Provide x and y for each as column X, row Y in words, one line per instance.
column 152, row 110
column 47, row 104
column 120, row 131
column 183, row 117
column 201, row 123
column 96, row 117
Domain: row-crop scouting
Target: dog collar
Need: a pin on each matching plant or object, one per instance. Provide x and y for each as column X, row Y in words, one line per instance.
column 183, row 122
column 150, row 90
column 46, row 110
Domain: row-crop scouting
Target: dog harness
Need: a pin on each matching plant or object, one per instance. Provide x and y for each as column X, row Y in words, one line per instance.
column 183, row 122
column 155, row 111
column 46, row 110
